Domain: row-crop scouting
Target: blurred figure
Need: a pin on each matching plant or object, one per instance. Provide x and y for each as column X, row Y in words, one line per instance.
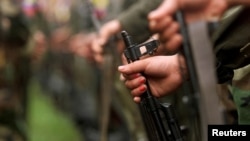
column 15, row 71
column 64, row 65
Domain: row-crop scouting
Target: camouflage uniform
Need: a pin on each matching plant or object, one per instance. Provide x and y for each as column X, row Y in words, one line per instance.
column 232, row 50
column 15, row 71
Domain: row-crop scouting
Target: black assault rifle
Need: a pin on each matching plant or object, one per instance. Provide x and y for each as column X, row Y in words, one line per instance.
column 159, row 118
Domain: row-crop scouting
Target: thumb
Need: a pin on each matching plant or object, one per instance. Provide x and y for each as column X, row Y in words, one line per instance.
column 135, row 67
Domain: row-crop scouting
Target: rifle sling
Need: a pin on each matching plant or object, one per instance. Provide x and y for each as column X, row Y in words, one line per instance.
column 204, row 62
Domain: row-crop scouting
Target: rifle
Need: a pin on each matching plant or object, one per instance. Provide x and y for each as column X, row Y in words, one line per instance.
column 107, row 77
column 159, row 118
column 198, row 52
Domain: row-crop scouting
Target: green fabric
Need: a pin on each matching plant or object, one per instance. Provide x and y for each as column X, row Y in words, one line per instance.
column 231, row 44
column 243, row 111
column 231, row 47
column 134, row 19
column 231, row 37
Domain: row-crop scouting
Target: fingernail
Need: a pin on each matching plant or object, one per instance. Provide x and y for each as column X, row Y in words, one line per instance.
column 142, row 80
column 151, row 14
column 136, row 75
column 120, row 68
column 142, row 88
column 137, row 99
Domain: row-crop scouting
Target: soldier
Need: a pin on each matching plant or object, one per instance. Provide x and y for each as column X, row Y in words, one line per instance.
column 66, row 71
column 238, row 49
column 15, row 71
column 67, row 78
column 113, row 25
column 233, row 72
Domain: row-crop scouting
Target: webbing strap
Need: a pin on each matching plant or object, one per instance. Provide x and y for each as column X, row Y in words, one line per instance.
column 204, row 62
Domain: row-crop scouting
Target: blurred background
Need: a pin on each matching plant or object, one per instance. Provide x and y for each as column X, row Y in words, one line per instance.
column 50, row 85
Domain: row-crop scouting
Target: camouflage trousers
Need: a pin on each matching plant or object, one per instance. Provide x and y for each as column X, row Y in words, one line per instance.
column 240, row 90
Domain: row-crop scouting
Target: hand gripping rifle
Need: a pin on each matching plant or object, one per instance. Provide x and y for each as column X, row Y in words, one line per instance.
column 159, row 119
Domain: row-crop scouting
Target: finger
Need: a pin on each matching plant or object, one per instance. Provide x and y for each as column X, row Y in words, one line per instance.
column 131, row 76
column 170, row 31
column 124, row 59
column 161, row 24
column 137, row 99
column 139, row 90
column 96, row 47
column 135, row 83
column 168, row 7
column 133, row 68
column 122, row 78
column 108, row 30
column 98, row 58
column 103, row 36
column 173, row 44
